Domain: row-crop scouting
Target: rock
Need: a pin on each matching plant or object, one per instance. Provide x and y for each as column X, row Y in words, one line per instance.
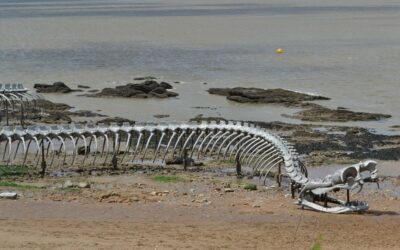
column 57, row 87
column 172, row 94
column 117, row 120
column 318, row 113
column 147, row 89
column 85, row 113
column 228, row 190
column 159, row 116
column 56, row 117
column 178, row 160
column 83, row 185
column 83, row 87
column 93, row 90
column 8, row 195
column 165, row 85
column 50, row 106
column 142, row 78
column 200, row 118
column 68, row 184
column 253, row 95
column 81, row 150
column 159, row 90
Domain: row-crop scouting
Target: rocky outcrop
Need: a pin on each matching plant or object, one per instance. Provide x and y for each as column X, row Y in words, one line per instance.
column 258, row 95
column 57, row 87
column 147, row 89
column 312, row 112
column 318, row 113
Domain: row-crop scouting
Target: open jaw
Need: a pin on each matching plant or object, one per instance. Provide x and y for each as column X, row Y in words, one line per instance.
column 152, row 143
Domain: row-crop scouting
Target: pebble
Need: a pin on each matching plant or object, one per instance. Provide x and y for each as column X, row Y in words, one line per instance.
column 68, row 184
column 83, row 185
column 228, row 190
column 9, row 195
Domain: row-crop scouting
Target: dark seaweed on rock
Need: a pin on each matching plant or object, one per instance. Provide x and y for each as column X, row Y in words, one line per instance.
column 147, row 89
column 313, row 112
column 318, row 113
column 327, row 144
column 258, row 95
column 117, row 120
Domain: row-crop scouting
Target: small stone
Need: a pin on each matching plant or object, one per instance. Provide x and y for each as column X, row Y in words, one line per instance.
column 9, row 195
column 256, row 205
column 153, row 193
column 68, row 184
column 83, row 185
column 228, row 190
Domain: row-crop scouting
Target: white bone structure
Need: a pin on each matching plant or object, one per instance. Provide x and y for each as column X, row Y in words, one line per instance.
column 251, row 146
column 15, row 99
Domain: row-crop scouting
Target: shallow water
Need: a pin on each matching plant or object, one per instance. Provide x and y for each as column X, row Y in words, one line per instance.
column 347, row 50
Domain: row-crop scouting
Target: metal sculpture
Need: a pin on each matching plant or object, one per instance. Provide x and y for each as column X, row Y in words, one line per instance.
column 15, row 101
column 151, row 143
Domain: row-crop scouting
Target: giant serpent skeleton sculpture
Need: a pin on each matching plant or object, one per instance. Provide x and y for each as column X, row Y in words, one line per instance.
column 251, row 146
column 15, row 101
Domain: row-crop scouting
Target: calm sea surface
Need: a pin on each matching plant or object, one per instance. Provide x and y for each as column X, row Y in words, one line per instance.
column 347, row 50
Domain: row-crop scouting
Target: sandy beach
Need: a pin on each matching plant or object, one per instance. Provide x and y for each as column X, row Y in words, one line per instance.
column 197, row 212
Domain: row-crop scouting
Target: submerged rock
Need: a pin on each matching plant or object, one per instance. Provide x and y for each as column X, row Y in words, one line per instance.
column 318, row 113
column 57, row 87
column 83, row 87
column 258, row 95
column 313, row 112
column 159, row 116
column 142, row 78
